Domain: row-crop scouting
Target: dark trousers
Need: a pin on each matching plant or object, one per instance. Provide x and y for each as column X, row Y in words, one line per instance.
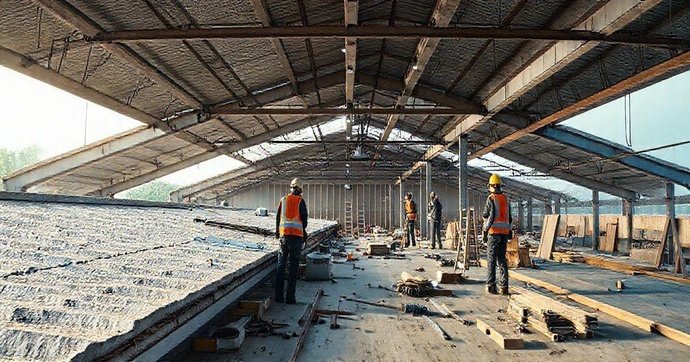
column 290, row 250
column 436, row 233
column 496, row 253
column 409, row 233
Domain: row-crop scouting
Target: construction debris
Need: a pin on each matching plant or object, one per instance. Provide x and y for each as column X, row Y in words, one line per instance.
column 505, row 343
column 554, row 319
column 414, row 309
column 438, row 328
column 377, row 249
column 446, row 312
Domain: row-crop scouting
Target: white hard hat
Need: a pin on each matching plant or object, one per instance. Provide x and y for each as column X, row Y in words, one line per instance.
column 296, row 182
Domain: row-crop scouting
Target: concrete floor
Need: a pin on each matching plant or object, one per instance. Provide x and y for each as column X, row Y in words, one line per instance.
column 378, row 334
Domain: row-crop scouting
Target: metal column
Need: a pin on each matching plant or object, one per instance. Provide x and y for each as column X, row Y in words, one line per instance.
column 462, row 180
column 595, row 219
column 557, row 205
column 402, row 205
column 530, row 209
column 428, row 191
column 421, row 208
column 671, row 214
column 547, row 207
column 521, row 214
column 628, row 209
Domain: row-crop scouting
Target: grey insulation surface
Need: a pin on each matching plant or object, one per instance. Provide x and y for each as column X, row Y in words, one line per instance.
column 78, row 278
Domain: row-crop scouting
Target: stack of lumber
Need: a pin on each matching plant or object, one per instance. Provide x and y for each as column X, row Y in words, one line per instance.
column 568, row 257
column 550, row 317
column 377, row 249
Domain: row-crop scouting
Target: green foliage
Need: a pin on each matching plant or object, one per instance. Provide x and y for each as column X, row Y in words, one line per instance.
column 152, row 191
column 11, row 161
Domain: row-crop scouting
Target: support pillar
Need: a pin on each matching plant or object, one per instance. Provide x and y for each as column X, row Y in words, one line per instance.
column 628, row 210
column 595, row 219
column 463, row 202
column 521, row 214
column 547, row 207
column 671, row 214
column 530, row 210
column 402, row 203
column 557, row 205
column 428, row 191
column 421, row 207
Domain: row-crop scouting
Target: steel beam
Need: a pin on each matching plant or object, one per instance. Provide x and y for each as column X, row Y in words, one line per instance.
column 232, row 147
column 344, row 111
column 671, row 214
column 74, row 18
column 613, row 16
column 530, row 216
column 441, row 17
column 351, row 20
column 584, row 33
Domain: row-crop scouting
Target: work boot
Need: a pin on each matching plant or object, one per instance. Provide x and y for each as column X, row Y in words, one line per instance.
column 490, row 289
column 291, row 301
column 278, row 300
column 504, row 291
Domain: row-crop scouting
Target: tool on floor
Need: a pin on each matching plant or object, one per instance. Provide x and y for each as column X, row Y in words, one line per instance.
column 619, row 285
column 224, row 339
column 414, row 309
column 437, row 327
column 446, row 312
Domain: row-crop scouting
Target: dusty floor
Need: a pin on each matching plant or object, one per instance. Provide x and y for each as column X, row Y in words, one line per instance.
column 378, row 334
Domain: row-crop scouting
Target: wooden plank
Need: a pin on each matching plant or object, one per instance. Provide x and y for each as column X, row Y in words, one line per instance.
column 505, row 343
column 680, row 259
column 548, row 236
column 611, row 237
column 628, row 317
column 662, row 246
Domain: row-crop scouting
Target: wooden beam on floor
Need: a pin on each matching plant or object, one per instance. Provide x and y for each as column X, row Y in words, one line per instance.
column 623, row 315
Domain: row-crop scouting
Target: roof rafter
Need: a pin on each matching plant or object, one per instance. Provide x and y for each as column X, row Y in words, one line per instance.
column 78, row 20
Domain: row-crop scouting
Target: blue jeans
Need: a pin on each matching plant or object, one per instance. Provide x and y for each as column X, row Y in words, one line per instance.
column 290, row 250
column 496, row 255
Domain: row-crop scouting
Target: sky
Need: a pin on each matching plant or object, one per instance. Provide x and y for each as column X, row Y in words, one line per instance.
column 62, row 122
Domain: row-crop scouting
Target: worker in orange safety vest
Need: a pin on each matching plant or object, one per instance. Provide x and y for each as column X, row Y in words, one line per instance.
column 497, row 231
column 411, row 219
column 291, row 229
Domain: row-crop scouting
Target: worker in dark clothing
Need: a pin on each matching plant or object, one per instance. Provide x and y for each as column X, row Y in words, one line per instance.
column 435, row 211
column 497, row 231
column 291, row 229
column 411, row 218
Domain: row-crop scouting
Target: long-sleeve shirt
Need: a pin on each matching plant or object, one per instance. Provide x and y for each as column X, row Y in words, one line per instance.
column 490, row 214
column 435, row 209
column 303, row 214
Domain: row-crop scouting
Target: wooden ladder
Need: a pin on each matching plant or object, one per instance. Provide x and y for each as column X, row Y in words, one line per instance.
column 349, row 220
column 468, row 246
column 361, row 222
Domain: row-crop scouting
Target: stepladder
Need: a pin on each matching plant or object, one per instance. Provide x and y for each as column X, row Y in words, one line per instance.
column 349, row 219
column 468, row 246
column 361, row 220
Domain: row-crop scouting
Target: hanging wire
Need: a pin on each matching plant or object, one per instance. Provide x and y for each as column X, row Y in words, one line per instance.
column 627, row 118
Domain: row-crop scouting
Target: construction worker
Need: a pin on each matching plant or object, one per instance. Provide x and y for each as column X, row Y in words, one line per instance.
column 497, row 232
column 411, row 217
column 435, row 209
column 291, row 229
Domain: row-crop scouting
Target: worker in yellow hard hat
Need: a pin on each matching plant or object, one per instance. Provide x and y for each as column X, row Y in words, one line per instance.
column 291, row 226
column 410, row 220
column 497, row 232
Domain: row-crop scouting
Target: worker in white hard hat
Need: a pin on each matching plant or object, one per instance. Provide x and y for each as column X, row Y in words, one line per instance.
column 497, row 231
column 291, row 229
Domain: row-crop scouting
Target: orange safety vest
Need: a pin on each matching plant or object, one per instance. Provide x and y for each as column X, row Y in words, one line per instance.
column 410, row 210
column 290, row 221
column 500, row 224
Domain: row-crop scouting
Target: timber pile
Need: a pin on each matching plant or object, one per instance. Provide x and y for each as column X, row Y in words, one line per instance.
column 568, row 257
column 377, row 249
column 552, row 318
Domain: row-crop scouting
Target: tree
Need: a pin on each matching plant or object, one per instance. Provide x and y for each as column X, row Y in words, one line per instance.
column 11, row 161
column 152, row 191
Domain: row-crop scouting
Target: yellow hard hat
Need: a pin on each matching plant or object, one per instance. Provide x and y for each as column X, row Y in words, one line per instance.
column 495, row 180
column 296, row 182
